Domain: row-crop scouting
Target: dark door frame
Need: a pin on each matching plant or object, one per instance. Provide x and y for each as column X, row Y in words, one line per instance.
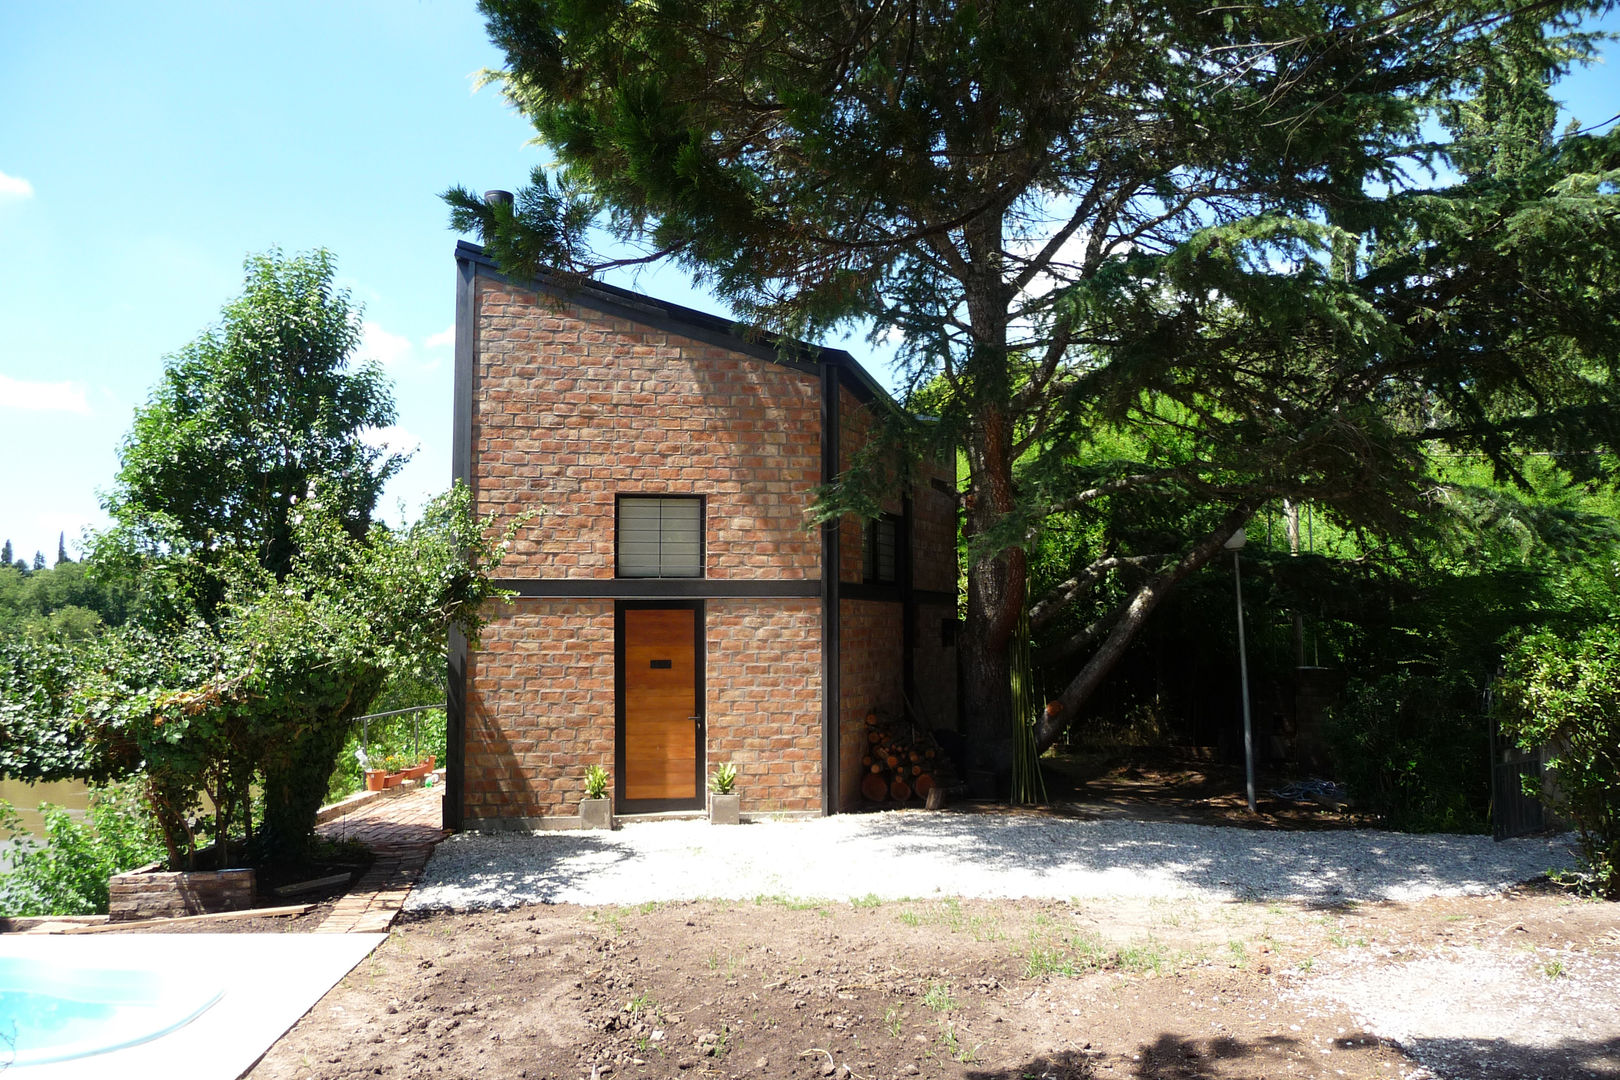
column 622, row 805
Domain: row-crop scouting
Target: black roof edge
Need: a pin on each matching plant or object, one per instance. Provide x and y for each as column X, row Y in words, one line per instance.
column 626, row 303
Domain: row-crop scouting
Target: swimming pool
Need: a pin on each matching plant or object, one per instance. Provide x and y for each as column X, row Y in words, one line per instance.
column 58, row 1012
column 221, row 1000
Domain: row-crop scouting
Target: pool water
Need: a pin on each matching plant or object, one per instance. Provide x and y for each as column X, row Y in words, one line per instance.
column 53, row 1012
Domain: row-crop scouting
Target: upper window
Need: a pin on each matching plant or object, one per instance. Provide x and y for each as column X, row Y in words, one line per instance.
column 878, row 553
column 660, row 537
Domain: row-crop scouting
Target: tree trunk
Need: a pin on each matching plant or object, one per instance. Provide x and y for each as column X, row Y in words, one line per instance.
column 996, row 591
column 1066, row 708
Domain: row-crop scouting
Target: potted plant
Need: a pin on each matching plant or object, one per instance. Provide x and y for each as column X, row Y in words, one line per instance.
column 376, row 779
column 394, row 766
column 596, row 809
column 724, row 802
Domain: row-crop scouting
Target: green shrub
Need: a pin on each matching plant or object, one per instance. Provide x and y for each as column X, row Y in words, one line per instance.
column 1564, row 693
column 1414, row 749
column 724, row 780
column 67, row 874
column 596, row 782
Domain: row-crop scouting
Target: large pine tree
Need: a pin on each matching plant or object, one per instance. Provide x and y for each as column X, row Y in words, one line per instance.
column 1203, row 225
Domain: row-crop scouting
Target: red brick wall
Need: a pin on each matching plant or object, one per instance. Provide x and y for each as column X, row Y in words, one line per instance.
column 572, row 407
column 935, row 663
column 540, row 704
column 539, row 708
column 764, row 700
column 870, row 678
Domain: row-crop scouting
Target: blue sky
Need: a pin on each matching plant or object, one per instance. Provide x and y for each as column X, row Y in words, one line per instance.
column 146, row 149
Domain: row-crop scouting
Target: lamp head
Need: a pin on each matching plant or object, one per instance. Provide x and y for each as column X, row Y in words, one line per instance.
column 1236, row 541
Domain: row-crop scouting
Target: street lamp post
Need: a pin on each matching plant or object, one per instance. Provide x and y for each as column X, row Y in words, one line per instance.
column 1235, row 544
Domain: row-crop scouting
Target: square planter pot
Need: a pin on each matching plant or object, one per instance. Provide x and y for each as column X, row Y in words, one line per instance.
column 725, row 809
column 596, row 813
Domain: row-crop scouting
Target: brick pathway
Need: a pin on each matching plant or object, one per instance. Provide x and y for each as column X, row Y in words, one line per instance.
column 401, row 830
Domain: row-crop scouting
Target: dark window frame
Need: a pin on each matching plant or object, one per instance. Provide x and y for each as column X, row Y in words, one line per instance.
column 871, row 572
column 618, row 532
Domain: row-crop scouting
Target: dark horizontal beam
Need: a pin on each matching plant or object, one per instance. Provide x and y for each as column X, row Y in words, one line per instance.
column 851, row 590
column 662, row 588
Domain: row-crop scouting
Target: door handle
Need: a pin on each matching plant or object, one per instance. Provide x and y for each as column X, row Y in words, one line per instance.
column 698, row 720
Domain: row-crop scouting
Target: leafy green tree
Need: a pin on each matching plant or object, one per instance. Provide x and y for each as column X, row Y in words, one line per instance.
column 39, row 561
column 1562, row 693
column 1196, row 224
column 265, row 692
column 61, row 549
column 248, row 418
column 5, row 554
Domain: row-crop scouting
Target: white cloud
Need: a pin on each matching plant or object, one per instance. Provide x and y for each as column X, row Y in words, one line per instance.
column 396, row 352
column 43, row 396
column 388, row 349
column 393, row 438
column 442, row 340
column 15, row 187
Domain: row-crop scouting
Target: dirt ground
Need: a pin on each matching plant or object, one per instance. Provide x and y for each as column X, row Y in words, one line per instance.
column 1162, row 786
column 971, row 989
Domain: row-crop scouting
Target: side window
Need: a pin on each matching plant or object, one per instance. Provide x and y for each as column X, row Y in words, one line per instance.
column 878, row 559
column 660, row 537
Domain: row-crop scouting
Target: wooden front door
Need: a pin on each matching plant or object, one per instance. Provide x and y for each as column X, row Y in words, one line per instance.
column 660, row 684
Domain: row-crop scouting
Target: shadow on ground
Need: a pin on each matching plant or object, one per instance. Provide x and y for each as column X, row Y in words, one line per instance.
column 1501, row 1059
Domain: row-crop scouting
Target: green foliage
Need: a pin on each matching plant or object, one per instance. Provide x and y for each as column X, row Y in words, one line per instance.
column 596, row 782
column 1415, row 750
column 267, row 691
column 724, row 780
column 411, row 737
column 65, row 602
column 247, row 419
column 269, row 610
column 67, row 875
column 1562, row 692
column 38, row 738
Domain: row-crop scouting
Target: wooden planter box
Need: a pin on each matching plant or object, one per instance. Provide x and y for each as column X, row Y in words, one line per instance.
column 147, row 893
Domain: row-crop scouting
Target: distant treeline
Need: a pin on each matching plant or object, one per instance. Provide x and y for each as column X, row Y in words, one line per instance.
column 65, row 600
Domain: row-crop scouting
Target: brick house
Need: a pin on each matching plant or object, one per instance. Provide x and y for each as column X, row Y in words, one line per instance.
column 674, row 611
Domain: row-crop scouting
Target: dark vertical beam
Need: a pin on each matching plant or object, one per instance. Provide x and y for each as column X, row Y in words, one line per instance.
column 461, row 422
column 830, row 572
column 908, row 607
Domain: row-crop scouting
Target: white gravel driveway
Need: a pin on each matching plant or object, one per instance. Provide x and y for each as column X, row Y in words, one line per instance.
column 901, row 854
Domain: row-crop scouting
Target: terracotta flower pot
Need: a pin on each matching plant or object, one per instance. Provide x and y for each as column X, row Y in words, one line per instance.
column 376, row 779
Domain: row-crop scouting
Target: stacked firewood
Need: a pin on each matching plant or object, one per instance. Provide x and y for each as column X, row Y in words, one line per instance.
column 902, row 760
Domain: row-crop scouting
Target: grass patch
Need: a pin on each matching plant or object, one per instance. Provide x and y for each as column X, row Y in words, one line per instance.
column 949, row 914
column 939, row 997
column 1081, row 954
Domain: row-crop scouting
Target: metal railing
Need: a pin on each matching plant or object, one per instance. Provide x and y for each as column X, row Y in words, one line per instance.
column 416, row 728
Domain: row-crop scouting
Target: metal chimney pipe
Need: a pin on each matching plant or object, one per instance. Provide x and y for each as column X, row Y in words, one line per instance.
column 498, row 197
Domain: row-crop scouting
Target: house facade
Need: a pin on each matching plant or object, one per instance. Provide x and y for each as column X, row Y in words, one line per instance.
column 673, row 610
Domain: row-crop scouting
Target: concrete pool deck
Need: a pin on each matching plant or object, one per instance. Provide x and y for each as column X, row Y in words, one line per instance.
column 268, row 981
